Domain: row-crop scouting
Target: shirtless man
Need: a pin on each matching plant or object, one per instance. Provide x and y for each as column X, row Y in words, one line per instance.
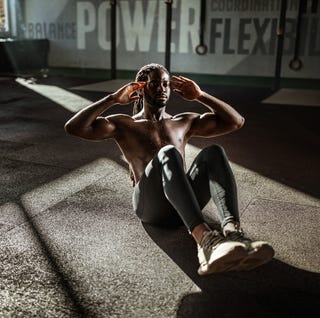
column 153, row 143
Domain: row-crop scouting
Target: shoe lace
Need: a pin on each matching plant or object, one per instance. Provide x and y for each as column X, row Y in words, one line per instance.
column 212, row 238
column 237, row 235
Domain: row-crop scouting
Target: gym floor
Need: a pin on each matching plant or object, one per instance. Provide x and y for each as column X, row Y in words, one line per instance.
column 71, row 246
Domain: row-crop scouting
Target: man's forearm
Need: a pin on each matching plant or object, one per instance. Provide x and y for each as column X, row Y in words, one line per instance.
column 223, row 110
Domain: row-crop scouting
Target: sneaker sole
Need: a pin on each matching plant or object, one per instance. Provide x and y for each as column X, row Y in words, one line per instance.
column 225, row 259
column 257, row 257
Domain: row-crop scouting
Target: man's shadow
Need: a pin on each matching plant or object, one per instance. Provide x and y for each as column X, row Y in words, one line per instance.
column 275, row 289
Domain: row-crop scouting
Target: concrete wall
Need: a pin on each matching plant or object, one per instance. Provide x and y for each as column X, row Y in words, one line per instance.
column 240, row 35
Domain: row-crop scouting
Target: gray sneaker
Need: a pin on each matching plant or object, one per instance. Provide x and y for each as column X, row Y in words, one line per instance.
column 216, row 254
column 258, row 252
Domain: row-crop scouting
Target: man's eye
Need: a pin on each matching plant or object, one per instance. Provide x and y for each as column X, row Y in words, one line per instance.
column 156, row 83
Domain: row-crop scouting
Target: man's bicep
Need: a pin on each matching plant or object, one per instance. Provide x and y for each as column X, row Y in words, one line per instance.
column 101, row 128
column 209, row 125
column 203, row 125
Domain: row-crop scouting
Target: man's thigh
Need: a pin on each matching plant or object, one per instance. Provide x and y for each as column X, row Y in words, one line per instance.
column 149, row 200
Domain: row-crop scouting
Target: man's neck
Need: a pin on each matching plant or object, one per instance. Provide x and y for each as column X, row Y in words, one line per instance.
column 154, row 114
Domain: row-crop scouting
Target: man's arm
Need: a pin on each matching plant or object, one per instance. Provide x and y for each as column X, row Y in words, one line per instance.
column 221, row 119
column 88, row 124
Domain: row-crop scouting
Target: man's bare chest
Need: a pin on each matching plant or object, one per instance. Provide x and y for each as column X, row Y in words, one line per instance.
column 160, row 133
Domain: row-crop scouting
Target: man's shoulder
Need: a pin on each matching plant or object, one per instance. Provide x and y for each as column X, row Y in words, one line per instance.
column 120, row 118
column 186, row 116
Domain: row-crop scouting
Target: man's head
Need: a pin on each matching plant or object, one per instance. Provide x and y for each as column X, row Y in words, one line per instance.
column 156, row 92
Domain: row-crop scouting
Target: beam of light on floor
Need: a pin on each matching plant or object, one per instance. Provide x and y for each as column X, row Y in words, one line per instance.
column 105, row 86
column 273, row 189
column 51, row 193
column 11, row 215
column 66, row 99
column 301, row 97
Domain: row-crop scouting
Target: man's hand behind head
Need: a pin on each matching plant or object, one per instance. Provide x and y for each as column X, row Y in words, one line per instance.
column 125, row 95
column 185, row 87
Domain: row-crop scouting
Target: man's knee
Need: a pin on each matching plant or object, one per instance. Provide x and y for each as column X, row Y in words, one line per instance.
column 167, row 148
column 169, row 152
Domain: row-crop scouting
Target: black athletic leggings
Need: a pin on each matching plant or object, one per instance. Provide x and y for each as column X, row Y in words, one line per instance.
column 165, row 194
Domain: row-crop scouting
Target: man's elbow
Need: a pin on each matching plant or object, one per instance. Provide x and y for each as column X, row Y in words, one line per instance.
column 239, row 123
column 70, row 129
column 242, row 120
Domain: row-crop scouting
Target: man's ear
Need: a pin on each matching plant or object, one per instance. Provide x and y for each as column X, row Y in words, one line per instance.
column 140, row 92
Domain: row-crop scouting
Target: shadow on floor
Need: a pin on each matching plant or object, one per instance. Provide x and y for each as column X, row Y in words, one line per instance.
column 275, row 289
column 79, row 311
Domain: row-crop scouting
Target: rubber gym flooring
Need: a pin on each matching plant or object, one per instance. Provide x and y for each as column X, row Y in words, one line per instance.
column 71, row 246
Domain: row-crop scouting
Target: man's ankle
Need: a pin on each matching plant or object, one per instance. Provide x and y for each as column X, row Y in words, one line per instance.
column 199, row 231
column 230, row 227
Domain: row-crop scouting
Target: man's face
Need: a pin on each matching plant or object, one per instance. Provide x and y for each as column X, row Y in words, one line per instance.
column 157, row 88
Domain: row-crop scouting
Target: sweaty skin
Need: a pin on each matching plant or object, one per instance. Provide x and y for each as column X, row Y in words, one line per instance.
column 141, row 136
